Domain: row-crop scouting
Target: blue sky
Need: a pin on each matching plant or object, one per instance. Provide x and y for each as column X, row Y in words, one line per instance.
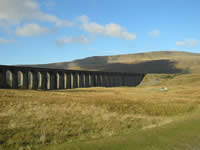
column 46, row 31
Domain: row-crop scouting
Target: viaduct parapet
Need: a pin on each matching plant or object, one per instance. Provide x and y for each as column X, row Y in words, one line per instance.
column 16, row 77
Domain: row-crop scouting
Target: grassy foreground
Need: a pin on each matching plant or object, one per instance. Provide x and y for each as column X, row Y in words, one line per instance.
column 182, row 135
column 125, row 116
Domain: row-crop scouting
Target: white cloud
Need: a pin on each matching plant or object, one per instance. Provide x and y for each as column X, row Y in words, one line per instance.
column 15, row 11
column 113, row 30
column 110, row 30
column 83, row 19
column 154, row 33
column 128, row 36
column 93, row 28
column 72, row 40
column 31, row 30
column 90, row 27
column 187, row 43
column 65, row 23
column 179, row 43
column 192, row 42
column 4, row 41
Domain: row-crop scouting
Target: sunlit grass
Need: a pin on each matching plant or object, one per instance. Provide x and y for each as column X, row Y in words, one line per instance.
column 29, row 119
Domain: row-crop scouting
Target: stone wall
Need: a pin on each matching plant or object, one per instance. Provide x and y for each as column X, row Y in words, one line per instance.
column 16, row 77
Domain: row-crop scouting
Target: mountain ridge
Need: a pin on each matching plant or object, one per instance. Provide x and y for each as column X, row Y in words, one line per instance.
column 150, row 62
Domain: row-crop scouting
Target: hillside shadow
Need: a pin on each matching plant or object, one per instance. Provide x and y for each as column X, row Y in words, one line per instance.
column 101, row 64
column 91, row 62
column 154, row 66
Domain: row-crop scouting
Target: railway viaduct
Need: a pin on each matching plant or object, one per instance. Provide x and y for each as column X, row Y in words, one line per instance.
column 16, row 77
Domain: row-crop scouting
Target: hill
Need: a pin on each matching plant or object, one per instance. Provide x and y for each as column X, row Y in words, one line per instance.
column 151, row 62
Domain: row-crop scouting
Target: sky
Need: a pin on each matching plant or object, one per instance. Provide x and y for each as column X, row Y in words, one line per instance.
column 47, row 31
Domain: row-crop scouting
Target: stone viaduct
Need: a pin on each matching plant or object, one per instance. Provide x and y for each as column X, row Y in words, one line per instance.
column 17, row 77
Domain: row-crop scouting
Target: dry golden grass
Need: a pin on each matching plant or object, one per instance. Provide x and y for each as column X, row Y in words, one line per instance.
column 31, row 118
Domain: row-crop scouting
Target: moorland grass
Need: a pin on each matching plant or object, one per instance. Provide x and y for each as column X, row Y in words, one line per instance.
column 31, row 119
column 179, row 135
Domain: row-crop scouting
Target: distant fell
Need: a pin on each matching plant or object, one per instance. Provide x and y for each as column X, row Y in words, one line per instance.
column 151, row 62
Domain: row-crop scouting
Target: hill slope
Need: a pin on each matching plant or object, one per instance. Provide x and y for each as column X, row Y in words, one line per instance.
column 152, row 62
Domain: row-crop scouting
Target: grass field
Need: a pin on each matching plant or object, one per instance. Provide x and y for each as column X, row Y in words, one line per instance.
column 179, row 135
column 154, row 115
